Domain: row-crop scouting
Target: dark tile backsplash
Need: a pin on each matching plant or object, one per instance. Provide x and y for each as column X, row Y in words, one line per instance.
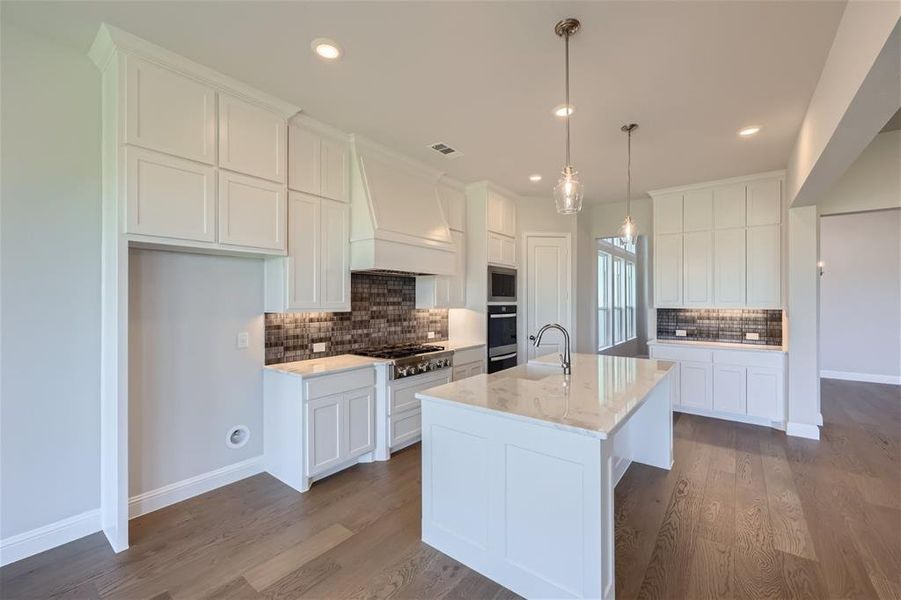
column 383, row 312
column 721, row 325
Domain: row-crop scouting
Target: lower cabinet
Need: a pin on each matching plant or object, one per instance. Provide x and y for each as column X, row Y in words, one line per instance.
column 468, row 370
column 766, row 393
column 404, row 412
column 469, row 362
column 729, row 389
column 339, row 427
column 696, row 385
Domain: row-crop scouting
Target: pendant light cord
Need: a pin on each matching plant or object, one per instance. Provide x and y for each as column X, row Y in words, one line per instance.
column 629, row 177
column 568, row 108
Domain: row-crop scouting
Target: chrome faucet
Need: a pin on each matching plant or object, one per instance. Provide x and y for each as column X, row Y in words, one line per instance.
column 565, row 360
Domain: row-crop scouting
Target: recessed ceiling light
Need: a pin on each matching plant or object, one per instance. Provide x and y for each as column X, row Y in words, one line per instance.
column 564, row 110
column 535, row 178
column 326, row 48
column 749, row 131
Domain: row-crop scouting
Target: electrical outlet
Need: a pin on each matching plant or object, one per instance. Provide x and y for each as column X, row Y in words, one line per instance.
column 243, row 340
column 431, row 335
column 319, row 347
column 752, row 336
column 681, row 333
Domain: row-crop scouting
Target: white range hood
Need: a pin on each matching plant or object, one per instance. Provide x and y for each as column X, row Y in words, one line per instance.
column 397, row 224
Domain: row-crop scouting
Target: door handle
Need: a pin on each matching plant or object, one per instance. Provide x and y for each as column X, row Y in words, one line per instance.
column 504, row 357
column 507, row 316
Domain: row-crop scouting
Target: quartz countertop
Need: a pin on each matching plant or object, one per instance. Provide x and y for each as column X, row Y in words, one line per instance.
column 599, row 395
column 725, row 345
column 326, row 366
column 456, row 345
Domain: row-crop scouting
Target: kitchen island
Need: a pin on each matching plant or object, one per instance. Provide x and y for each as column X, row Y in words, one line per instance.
column 518, row 467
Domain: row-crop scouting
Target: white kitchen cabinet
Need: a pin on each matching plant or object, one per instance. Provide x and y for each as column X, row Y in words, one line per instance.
column 729, row 268
column 501, row 214
column 445, row 291
column 764, row 202
column 468, row 362
column 501, row 250
column 697, row 265
column 169, row 112
column 405, row 415
column 252, row 212
column 696, row 385
column 327, row 444
column 729, row 389
column 453, row 203
column 304, row 262
column 334, row 274
column 697, row 210
column 729, row 206
column 360, row 406
column 668, row 270
column 468, row 370
column 169, row 197
column 766, row 393
column 668, row 214
column 764, row 278
column 318, row 163
column 252, row 139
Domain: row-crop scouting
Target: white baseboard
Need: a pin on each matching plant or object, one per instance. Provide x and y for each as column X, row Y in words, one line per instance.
column 193, row 486
column 820, row 419
column 804, row 430
column 38, row 540
column 865, row 377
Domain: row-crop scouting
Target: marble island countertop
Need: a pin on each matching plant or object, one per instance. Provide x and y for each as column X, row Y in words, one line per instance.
column 600, row 394
column 725, row 345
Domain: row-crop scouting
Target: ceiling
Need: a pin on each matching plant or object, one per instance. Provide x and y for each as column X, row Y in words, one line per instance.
column 484, row 76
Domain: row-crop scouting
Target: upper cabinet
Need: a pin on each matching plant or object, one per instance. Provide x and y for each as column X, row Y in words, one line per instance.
column 252, row 212
column 318, row 163
column 252, row 139
column 719, row 244
column 168, row 112
column 501, row 214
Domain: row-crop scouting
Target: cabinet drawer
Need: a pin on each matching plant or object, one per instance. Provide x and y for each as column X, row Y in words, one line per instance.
column 405, row 427
column 339, row 383
column 461, row 357
column 402, row 394
column 404, row 399
column 764, row 358
column 680, row 354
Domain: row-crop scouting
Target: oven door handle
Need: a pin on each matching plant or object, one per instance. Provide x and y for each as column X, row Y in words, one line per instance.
column 503, row 357
column 504, row 316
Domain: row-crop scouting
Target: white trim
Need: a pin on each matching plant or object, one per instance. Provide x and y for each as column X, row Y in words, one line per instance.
column 44, row 538
column 718, row 182
column 803, row 430
column 713, row 414
column 819, row 419
column 865, row 377
column 193, row 486
column 619, row 468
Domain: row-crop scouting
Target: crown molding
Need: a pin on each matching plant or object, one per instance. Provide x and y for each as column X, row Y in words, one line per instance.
column 718, row 182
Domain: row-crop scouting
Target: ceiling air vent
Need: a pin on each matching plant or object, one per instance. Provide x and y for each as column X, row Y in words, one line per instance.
column 445, row 150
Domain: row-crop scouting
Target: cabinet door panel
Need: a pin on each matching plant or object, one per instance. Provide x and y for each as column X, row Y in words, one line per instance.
column 729, row 389
column 729, row 267
column 501, row 250
column 509, row 217
column 729, row 206
column 668, row 269
column 304, row 169
column 334, row 164
column 169, row 112
column 360, row 421
column 696, row 389
column 508, row 251
column 326, row 442
column 476, row 369
column 668, row 214
column 335, row 269
column 697, row 212
column 169, row 197
column 765, row 266
column 252, row 212
column 304, row 264
column 765, row 202
column 251, row 139
column 698, row 269
column 766, row 393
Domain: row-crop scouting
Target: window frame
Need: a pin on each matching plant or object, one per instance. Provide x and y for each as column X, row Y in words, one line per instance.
column 617, row 298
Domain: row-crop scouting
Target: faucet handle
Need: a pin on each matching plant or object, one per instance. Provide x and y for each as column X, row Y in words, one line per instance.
column 532, row 337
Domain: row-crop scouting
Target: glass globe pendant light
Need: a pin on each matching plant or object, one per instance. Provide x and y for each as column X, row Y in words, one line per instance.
column 569, row 191
column 628, row 231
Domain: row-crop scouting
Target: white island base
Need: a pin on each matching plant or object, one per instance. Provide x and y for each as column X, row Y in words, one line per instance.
column 518, row 469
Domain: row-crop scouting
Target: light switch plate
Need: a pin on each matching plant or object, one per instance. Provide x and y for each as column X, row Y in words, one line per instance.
column 681, row 333
column 752, row 336
column 243, row 340
column 431, row 335
column 319, row 347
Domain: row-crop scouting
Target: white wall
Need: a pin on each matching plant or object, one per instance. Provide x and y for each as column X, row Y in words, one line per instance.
column 50, row 262
column 188, row 382
column 872, row 182
column 860, row 295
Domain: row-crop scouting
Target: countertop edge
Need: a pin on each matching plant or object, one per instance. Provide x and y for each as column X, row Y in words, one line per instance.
column 720, row 345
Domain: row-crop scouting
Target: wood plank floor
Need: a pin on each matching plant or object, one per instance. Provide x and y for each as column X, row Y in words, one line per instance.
column 746, row 513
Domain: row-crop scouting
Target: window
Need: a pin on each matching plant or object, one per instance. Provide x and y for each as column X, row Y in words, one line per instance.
column 616, row 293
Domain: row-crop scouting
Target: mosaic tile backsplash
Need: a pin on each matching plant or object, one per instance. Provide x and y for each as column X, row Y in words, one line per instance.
column 383, row 312
column 721, row 325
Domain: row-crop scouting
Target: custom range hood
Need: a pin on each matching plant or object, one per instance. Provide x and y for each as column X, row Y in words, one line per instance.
column 397, row 224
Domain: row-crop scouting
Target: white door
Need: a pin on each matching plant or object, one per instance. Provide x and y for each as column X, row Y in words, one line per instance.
column 765, row 266
column 252, row 212
column 548, row 283
column 765, row 393
column 696, row 385
column 335, row 269
column 334, row 164
column 326, row 440
column 729, row 267
column 698, row 269
column 304, row 264
column 360, row 421
column 251, row 139
column 169, row 197
column 729, row 389
column 668, row 270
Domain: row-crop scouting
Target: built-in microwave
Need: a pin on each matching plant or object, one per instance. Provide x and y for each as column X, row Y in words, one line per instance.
column 501, row 284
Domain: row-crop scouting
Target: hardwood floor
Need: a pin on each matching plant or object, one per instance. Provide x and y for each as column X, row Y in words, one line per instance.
column 745, row 513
